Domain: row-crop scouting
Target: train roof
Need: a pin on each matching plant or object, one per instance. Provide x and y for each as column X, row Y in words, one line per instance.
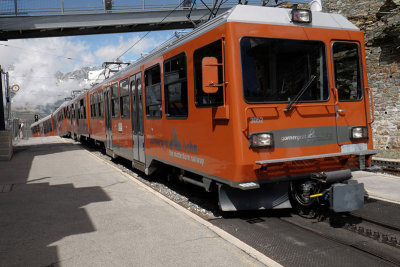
column 245, row 14
column 65, row 103
column 282, row 16
column 41, row 120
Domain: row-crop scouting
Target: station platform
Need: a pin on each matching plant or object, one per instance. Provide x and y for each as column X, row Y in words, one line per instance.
column 380, row 186
column 62, row 206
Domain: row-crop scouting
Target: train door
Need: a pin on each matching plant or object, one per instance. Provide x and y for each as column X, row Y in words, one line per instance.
column 107, row 99
column 137, row 117
column 351, row 107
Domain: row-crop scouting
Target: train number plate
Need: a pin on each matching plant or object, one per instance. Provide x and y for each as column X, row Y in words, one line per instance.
column 256, row 120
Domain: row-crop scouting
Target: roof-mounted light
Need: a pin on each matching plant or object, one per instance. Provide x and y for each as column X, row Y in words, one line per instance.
column 301, row 15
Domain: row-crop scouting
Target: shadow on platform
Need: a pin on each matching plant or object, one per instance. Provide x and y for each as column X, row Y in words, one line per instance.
column 34, row 214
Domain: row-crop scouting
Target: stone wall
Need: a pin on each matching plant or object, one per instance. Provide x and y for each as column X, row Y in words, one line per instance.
column 380, row 21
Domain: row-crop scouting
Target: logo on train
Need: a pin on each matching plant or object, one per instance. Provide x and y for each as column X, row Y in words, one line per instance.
column 174, row 143
column 178, row 149
column 320, row 135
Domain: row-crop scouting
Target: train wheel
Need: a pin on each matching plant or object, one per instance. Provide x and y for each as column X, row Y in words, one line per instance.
column 300, row 192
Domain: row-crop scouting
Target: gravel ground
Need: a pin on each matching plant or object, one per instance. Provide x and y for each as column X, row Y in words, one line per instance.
column 389, row 154
column 189, row 196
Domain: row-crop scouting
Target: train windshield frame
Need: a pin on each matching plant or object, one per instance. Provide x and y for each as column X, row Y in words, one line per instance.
column 275, row 70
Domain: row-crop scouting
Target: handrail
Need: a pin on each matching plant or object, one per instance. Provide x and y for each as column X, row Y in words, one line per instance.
column 369, row 91
column 63, row 7
column 335, row 95
column 255, row 107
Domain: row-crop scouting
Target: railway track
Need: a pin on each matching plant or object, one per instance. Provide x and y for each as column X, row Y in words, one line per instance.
column 391, row 166
column 370, row 236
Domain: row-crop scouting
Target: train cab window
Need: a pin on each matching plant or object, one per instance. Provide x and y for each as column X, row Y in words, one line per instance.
column 203, row 99
column 114, row 101
column 124, row 98
column 347, row 71
column 153, row 92
column 175, row 87
column 275, row 70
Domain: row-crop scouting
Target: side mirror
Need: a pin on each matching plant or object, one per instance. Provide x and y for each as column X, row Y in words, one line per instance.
column 209, row 66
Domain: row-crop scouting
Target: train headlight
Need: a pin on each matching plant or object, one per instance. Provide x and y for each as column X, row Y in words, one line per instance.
column 259, row 140
column 359, row 133
column 301, row 16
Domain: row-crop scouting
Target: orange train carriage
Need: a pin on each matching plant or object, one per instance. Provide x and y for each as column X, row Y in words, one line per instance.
column 269, row 106
column 43, row 127
column 60, row 121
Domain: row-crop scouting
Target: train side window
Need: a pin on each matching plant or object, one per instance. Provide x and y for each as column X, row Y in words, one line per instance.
column 95, row 105
column 84, row 108
column 115, row 101
column 175, row 87
column 153, row 92
column 347, row 71
column 100, row 104
column 124, row 98
column 91, row 105
column 82, row 113
column 78, row 111
column 203, row 99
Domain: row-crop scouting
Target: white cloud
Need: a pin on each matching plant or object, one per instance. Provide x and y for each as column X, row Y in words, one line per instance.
column 36, row 61
column 111, row 52
column 34, row 65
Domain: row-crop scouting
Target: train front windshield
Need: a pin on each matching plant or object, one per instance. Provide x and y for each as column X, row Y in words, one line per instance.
column 275, row 70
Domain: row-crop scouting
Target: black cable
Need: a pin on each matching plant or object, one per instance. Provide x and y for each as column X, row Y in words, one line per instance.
column 213, row 8
column 220, row 4
column 150, row 31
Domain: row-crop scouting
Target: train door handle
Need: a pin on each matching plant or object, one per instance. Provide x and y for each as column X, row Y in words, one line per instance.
column 341, row 111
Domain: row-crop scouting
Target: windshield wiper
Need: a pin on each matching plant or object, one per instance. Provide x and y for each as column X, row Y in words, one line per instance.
column 300, row 93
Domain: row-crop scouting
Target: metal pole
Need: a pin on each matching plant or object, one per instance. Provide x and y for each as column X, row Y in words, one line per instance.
column 16, row 7
column 62, row 7
column 143, row 5
column 2, row 123
column 8, row 97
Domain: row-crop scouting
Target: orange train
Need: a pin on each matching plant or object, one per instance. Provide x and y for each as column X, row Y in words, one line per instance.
column 269, row 106
column 43, row 127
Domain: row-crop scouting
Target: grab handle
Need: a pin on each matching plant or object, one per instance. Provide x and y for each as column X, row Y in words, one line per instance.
column 335, row 95
column 369, row 90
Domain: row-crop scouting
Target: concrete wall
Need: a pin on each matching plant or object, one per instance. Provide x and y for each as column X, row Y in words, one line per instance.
column 380, row 21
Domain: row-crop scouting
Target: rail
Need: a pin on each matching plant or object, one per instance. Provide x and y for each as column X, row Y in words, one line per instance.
column 386, row 163
column 72, row 7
